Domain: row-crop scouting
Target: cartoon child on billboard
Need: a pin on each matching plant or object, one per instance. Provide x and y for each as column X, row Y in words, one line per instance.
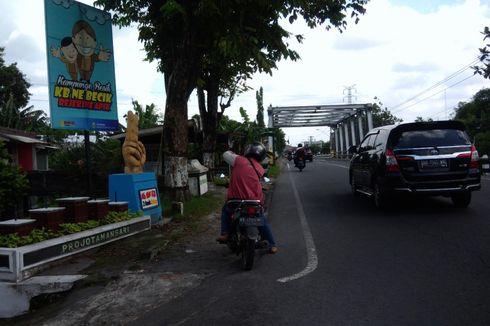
column 68, row 54
column 78, row 52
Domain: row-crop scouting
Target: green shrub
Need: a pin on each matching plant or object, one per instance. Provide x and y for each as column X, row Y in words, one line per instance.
column 38, row 235
column 13, row 182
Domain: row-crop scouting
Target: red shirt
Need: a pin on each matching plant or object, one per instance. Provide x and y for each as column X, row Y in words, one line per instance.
column 244, row 181
column 300, row 152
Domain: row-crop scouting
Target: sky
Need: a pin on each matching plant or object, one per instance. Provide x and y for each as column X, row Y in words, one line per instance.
column 414, row 56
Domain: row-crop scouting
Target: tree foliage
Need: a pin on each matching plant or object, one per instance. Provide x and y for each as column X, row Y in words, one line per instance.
column 476, row 117
column 13, row 182
column 106, row 158
column 420, row 119
column 259, row 96
column 13, row 84
column 14, row 96
column 147, row 117
column 484, row 68
column 383, row 116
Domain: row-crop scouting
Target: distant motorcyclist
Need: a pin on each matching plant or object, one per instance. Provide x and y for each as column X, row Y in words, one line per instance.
column 300, row 153
column 245, row 184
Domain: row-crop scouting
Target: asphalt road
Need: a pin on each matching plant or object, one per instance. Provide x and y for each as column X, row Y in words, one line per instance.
column 343, row 262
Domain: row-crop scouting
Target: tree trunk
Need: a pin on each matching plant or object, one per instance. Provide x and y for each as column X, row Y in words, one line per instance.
column 180, row 80
column 209, row 117
column 175, row 149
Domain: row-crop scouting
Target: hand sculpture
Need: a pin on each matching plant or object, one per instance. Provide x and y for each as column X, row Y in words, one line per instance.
column 133, row 150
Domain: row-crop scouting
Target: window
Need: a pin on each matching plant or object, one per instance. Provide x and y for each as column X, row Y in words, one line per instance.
column 434, row 137
column 365, row 143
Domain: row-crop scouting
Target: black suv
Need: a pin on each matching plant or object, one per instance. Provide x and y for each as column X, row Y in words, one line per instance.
column 423, row 158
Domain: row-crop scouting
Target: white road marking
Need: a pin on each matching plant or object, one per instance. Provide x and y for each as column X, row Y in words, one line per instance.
column 310, row 245
column 339, row 165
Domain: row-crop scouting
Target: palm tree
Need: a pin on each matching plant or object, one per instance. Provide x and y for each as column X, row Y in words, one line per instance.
column 23, row 119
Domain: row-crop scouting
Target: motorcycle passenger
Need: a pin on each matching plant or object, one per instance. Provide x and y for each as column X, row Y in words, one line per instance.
column 300, row 153
column 245, row 184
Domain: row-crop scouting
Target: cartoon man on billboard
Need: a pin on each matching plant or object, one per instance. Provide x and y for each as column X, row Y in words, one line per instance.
column 85, row 41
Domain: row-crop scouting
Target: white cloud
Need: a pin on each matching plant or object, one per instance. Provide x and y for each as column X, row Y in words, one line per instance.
column 395, row 52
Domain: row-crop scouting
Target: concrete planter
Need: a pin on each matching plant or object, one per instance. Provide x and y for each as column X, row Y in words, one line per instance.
column 19, row 226
column 17, row 264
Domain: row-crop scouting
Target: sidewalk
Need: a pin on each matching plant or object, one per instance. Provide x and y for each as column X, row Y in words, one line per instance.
column 132, row 275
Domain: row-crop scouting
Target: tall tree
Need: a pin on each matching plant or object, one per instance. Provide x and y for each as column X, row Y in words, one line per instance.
column 259, row 96
column 181, row 35
column 12, row 83
column 14, row 96
column 476, row 117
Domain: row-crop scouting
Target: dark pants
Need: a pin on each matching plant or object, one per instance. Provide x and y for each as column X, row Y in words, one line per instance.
column 265, row 231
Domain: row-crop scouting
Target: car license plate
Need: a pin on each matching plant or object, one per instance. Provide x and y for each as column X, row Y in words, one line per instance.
column 433, row 164
column 251, row 221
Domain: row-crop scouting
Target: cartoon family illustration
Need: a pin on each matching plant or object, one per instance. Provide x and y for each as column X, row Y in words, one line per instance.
column 78, row 52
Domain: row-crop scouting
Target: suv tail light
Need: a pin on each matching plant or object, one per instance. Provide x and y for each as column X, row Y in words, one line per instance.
column 391, row 162
column 474, row 158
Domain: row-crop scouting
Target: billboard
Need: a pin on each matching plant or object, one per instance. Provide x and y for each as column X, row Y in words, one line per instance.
column 81, row 75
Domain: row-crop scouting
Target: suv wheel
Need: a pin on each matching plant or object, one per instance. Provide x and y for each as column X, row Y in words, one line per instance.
column 378, row 196
column 461, row 200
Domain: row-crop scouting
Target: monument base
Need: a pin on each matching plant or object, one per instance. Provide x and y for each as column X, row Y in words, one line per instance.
column 140, row 190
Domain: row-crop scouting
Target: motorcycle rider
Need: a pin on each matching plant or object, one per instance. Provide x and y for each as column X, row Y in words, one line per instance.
column 300, row 153
column 245, row 184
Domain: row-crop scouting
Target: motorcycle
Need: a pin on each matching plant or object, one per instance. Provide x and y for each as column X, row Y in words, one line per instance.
column 244, row 237
column 300, row 163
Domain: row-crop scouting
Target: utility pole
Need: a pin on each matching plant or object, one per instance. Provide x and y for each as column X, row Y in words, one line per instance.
column 349, row 90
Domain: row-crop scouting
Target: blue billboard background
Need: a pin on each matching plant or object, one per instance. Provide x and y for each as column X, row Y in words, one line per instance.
column 81, row 74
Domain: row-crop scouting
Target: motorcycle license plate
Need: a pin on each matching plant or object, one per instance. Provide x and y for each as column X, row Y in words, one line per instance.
column 251, row 221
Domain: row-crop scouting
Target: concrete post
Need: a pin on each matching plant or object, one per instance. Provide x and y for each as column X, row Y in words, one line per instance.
column 353, row 131
column 361, row 132
column 346, row 132
column 341, row 142
column 369, row 119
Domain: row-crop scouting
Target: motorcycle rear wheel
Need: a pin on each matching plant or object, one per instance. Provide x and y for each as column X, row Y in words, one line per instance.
column 248, row 254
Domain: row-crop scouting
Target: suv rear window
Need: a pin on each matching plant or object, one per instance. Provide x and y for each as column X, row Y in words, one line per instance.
column 433, row 137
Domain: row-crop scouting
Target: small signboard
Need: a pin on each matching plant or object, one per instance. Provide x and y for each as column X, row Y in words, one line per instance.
column 148, row 198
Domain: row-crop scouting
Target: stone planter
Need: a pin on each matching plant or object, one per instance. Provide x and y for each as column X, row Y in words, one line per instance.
column 17, row 264
column 98, row 209
column 76, row 208
column 49, row 217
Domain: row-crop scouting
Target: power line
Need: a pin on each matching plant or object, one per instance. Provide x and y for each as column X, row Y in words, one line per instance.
column 461, row 70
column 425, row 98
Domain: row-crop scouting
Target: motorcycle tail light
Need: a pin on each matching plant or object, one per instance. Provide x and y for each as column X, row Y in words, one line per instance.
column 252, row 210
